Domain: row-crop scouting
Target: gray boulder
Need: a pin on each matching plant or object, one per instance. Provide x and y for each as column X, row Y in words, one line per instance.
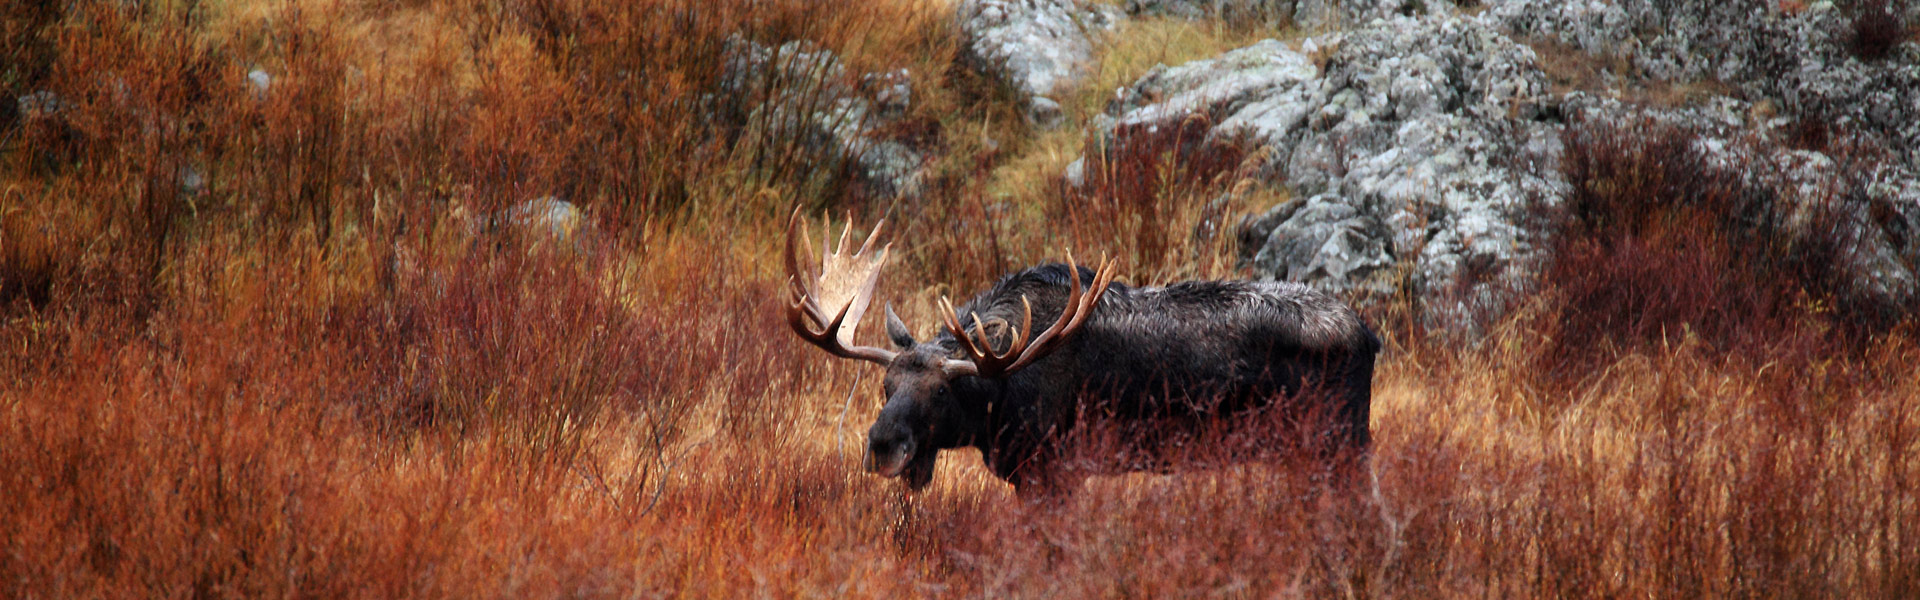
column 1600, row 27
column 259, row 82
column 1309, row 14
column 1419, row 149
column 1415, row 151
column 1874, row 198
column 1799, row 59
column 1326, row 14
column 892, row 92
column 1272, row 12
column 193, row 181
column 557, row 220
column 1324, row 239
column 1800, row 70
column 41, row 103
column 801, row 93
column 1036, row 47
column 544, row 221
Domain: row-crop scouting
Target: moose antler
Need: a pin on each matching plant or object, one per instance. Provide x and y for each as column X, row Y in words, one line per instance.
column 844, row 285
column 984, row 362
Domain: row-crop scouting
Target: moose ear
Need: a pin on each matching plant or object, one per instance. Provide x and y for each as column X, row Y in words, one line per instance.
column 897, row 330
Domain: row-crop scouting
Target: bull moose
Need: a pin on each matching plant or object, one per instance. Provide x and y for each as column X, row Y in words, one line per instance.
column 1143, row 358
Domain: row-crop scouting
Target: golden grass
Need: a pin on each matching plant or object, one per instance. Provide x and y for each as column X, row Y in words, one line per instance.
column 1570, row 69
column 1127, row 53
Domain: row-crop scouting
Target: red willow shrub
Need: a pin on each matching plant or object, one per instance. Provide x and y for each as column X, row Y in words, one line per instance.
column 1655, row 241
column 1873, row 32
column 1147, row 188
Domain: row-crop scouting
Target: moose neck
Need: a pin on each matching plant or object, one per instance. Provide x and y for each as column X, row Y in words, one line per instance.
column 966, row 421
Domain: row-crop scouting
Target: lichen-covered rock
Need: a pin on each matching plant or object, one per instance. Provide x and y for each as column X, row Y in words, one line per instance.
column 39, row 104
column 1418, row 144
column 548, row 216
column 1241, row 11
column 1801, row 66
column 1325, row 238
column 1601, row 27
column 1223, row 86
column 1323, row 14
column 259, row 82
column 1420, row 150
column 801, row 92
column 892, row 91
column 1874, row 199
column 1800, row 55
column 1036, row 47
column 193, row 181
column 1309, row 14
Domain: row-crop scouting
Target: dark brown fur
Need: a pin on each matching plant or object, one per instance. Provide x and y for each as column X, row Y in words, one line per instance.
column 1198, row 353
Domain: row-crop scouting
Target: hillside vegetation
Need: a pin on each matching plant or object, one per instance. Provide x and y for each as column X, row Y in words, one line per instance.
column 291, row 339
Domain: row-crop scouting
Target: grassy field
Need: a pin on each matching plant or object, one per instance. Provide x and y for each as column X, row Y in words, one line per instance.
column 313, row 375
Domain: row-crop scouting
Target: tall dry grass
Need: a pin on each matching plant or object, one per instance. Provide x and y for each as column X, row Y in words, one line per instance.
column 330, row 369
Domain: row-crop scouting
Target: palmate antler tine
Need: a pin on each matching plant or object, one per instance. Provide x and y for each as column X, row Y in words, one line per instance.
column 868, row 245
column 841, row 248
column 826, row 244
column 843, row 284
column 792, row 258
column 1102, row 277
column 802, row 318
column 977, row 360
column 798, row 278
column 828, row 325
column 1020, row 336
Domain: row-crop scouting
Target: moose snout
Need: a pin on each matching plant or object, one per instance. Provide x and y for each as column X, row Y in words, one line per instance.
column 888, row 450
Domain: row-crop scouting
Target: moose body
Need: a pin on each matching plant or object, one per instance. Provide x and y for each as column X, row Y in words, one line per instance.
column 1156, row 363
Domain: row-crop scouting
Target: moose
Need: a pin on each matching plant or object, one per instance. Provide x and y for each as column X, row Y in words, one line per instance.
column 1140, row 358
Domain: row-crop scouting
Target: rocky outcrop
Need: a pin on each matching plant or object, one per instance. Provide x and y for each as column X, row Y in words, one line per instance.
column 1307, row 14
column 801, row 93
column 1326, row 238
column 1411, row 154
column 1872, row 200
column 1240, row 11
column 1812, row 59
column 552, row 218
column 1035, row 47
column 1322, row 14
column 1831, row 113
column 1420, row 151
